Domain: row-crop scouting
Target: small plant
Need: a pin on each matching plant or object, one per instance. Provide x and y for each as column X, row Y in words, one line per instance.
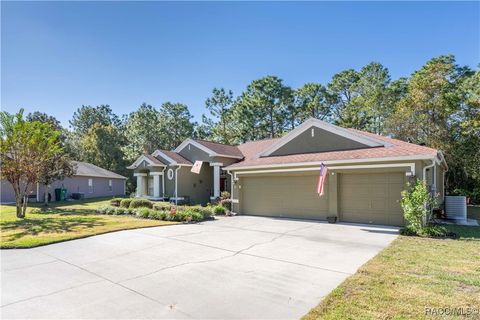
column 121, row 210
column 141, row 203
column 125, row 203
column 205, row 212
column 162, row 205
column 143, row 212
column 227, row 204
column 434, row 231
column 224, row 195
column 115, row 202
column 219, row 210
column 110, row 210
column 102, row 209
column 417, row 203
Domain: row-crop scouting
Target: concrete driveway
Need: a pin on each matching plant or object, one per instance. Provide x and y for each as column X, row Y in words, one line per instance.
column 239, row 267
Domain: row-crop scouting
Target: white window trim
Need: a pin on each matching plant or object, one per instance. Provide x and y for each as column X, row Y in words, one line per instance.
column 367, row 141
column 170, row 174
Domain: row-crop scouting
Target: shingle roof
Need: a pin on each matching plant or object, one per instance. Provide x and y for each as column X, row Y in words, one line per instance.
column 176, row 157
column 220, row 148
column 397, row 148
column 91, row 170
column 155, row 160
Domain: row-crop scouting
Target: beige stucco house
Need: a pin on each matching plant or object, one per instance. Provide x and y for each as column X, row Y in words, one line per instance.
column 278, row 177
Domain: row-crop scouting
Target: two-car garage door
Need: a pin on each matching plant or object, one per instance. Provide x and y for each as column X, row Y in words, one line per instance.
column 361, row 198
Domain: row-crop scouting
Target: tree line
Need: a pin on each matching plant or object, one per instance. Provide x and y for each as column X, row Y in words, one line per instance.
column 438, row 105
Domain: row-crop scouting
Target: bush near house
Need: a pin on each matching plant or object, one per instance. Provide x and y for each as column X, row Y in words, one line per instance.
column 139, row 203
column 417, row 204
column 162, row 205
column 181, row 214
column 115, row 202
column 219, row 210
column 125, row 203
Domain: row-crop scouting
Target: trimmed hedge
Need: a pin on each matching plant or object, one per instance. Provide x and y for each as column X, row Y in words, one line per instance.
column 125, row 203
column 115, row 202
column 162, row 206
column 140, row 203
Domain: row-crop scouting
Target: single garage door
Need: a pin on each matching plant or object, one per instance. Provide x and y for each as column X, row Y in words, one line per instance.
column 371, row 198
column 283, row 196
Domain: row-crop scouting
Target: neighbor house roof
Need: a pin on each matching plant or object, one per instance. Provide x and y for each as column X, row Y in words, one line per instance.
column 221, row 149
column 91, row 170
column 395, row 148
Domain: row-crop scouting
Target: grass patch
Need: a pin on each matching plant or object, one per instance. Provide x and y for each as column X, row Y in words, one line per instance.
column 409, row 275
column 62, row 221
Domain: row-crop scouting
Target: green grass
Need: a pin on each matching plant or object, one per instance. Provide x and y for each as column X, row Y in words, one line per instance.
column 62, row 221
column 409, row 275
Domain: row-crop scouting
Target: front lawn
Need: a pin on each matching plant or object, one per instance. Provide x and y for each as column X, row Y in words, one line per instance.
column 63, row 221
column 410, row 276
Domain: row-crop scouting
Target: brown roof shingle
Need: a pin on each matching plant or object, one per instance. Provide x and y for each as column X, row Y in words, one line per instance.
column 398, row 148
column 222, row 149
column 176, row 157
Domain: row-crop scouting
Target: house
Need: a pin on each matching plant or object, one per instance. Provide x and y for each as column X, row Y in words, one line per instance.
column 89, row 180
column 278, row 177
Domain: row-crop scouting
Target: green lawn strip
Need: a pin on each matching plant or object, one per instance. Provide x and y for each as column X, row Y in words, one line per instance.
column 63, row 221
column 409, row 275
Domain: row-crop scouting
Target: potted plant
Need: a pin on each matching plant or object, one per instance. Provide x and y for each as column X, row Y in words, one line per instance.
column 332, row 219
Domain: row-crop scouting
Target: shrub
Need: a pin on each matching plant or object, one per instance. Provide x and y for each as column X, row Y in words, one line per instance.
column 158, row 215
column 434, row 231
column 143, row 212
column 205, row 212
column 102, row 209
column 227, row 204
column 115, row 202
column 110, row 210
column 219, row 210
column 416, row 204
column 162, row 205
column 224, row 195
column 125, row 203
column 121, row 210
column 141, row 203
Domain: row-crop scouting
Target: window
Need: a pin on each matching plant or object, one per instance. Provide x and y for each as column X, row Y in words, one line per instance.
column 90, row 185
column 110, row 187
column 170, row 174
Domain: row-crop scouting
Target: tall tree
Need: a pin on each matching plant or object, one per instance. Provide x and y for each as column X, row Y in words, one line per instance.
column 25, row 150
column 99, row 149
column 342, row 92
column 311, row 101
column 261, row 108
column 176, row 123
column 219, row 105
column 59, row 166
column 86, row 116
column 144, row 132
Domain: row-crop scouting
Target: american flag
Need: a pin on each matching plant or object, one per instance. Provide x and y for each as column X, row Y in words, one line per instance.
column 321, row 179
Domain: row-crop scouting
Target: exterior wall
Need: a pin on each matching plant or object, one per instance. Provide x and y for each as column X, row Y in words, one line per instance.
column 80, row 184
column 198, row 187
column 73, row 184
column 193, row 153
column 321, row 141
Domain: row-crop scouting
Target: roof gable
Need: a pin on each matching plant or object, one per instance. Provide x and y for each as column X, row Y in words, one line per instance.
column 150, row 160
column 213, row 149
column 315, row 136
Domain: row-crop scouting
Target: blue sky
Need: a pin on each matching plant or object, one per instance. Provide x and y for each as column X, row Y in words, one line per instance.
column 57, row 56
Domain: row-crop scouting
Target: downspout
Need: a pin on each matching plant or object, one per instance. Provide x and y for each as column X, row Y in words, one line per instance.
column 176, row 185
column 231, row 187
column 163, row 182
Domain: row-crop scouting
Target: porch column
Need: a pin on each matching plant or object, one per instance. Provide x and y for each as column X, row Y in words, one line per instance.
column 140, row 183
column 216, row 178
column 156, row 183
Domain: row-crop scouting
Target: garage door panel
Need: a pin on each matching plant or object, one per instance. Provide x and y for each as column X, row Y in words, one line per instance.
column 284, row 196
column 371, row 198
